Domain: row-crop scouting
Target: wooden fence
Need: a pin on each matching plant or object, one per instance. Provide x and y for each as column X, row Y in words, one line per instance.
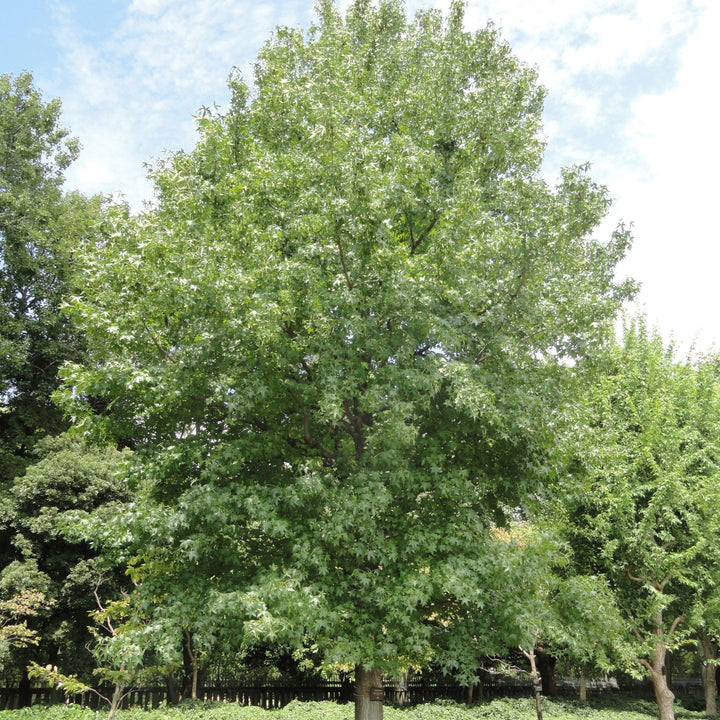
column 277, row 695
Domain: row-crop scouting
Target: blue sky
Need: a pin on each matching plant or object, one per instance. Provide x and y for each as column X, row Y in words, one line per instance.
column 632, row 86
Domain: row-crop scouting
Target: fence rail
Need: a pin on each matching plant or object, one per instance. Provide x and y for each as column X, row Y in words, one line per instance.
column 278, row 695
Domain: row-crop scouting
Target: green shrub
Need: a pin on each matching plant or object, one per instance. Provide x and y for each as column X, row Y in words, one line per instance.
column 610, row 707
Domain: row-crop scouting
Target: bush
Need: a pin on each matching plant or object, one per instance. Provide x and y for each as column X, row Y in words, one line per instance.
column 603, row 708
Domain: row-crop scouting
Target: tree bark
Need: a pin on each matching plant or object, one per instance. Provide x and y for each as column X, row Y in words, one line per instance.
column 583, row 687
column 708, row 652
column 368, row 694
column 537, row 682
column 187, row 668
column 402, row 689
column 173, row 691
column 194, row 656
column 546, row 668
column 116, row 701
column 663, row 694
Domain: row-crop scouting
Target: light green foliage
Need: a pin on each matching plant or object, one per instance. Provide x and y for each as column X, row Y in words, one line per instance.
column 24, row 604
column 338, row 338
column 22, row 598
column 122, row 646
column 528, row 595
column 503, row 709
column 647, row 518
column 69, row 684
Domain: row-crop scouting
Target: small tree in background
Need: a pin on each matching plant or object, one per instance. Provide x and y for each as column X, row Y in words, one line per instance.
column 647, row 518
column 529, row 598
column 45, row 555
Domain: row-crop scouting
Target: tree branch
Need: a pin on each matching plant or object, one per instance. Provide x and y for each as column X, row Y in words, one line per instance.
column 632, row 577
column 156, row 342
column 308, row 437
column 342, row 262
column 415, row 244
column 676, row 622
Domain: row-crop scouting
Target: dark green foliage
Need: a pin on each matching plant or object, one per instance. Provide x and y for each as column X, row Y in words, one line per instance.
column 39, row 229
column 68, row 481
column 340, row 339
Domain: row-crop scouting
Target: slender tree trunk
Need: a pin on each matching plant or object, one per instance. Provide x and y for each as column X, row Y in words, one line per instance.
column 187, row 669
column 708, row 652
column 583, row 687
column 116, row 700
column 368, row 694
column 24, row 690
column 194, row 657
column 346, row 688
column 537, row 682
column 402, row 689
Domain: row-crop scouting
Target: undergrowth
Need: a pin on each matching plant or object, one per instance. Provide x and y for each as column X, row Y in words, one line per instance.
column 610, row 707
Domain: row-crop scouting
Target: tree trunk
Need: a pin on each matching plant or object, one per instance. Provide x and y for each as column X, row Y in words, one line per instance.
column 116, row 700
column 368, row 694
column 194, row 656
column 546, row 668
column 708, row 652
column 24, row 690
column 402, row 692
column 663, row 694
column 187, row 668
column 173, row 691
column 537, row 683
column 583, row 687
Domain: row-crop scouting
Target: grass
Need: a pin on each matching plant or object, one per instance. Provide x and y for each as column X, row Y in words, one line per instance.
column 611, row 707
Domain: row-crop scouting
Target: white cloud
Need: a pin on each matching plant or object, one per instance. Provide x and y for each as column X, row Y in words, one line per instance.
column 672, row 195
column 618, row 39
column 630, row 86
column 131, row 95
column 149, row 7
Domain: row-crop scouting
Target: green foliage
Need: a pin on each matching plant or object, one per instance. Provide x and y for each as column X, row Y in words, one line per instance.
column 621, row 708
column 339, row 340
column 69, row 684
column 48, row 553
column 39, row 229
column 528, row 595
column 21, row 604
column 646, row 518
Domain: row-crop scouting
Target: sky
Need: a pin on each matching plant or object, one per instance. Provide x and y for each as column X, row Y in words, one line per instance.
column 632, row 89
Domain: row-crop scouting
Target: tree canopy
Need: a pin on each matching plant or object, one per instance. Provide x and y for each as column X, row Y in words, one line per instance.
column 40, row 561
column 647, row 520
column 39, row 228
column 340, row 337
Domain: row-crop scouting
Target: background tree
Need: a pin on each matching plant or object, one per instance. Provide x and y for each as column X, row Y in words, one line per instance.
column 338, row 337
column 22, row 598
column 647, row 519
column 530, row 598
column 40, row 226
column 67, row 479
